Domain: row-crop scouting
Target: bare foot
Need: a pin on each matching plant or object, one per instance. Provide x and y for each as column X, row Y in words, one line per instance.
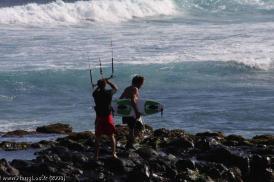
column 114, row 156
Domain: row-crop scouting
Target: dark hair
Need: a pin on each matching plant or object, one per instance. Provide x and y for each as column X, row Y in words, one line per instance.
column 101, row 83
column 138, row 80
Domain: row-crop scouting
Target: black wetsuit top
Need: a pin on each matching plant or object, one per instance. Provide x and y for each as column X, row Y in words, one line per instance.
column 102, row 99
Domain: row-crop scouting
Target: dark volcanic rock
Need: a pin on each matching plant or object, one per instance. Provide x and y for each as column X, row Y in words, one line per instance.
column 17, row 133
column 147, row 152
column 227, row 157
column 139, row 173
column 206, row 143
column 232, row 175
column 81, row 136
column 118, row 166
column 71, row 144
column 43, row 144
column 6, row 169
column 9, row 146
column 235, row 140
column 176, row 145
column 162, row 132
column 260, row 168
column 263, row 139
column 184, row 164
column 161, row 155
column 217, row 135
column 55, row 128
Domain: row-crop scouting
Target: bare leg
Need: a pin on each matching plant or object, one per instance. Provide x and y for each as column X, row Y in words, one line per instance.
column 113, row 146
column 131, row 137
column 97, row 140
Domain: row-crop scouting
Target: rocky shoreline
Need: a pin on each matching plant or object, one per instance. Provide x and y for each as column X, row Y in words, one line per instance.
column 160, row 155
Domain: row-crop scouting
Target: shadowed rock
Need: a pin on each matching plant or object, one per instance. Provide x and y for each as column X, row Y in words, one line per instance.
column 161, row 155
column 9, row 146
column 7, row 170
column 17, row 133
column 263, row 139
column 55, row 128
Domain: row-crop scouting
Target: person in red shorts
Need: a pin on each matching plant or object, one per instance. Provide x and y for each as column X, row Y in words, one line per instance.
column 104, row 122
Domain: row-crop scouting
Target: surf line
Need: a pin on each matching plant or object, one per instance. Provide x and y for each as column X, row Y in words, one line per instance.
column 101, row 70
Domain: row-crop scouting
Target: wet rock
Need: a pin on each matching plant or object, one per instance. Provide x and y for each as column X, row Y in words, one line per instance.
column 162, row 132
column 263, row 139
column 81, row 136
column 149, row 129
column 121, row 133
column 21, row 164
column 10, row 146
column 161, row 165
column 259, row 168
column 43, row 144
column 91, row 142
column 214, row 170
column 139, row 173
column 6, row 169
column 63, row 152
column 181, row 143
column 206, row 143
column 78, row 158
column 37, row 145
column 232, row 175
column 17, row 133
column 235, row 140
column 184, row 164
column 147, row 152
column 155, row 142
column 216, row 135
column 71, row 144
column 163, row 155
column 93, row 164
column 227, row 157
column 175, row 133
column 118, row 166
column 192, row 175
column 55, row 128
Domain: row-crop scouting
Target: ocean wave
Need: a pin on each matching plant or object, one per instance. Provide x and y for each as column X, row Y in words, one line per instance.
column 9, row 125
column 217, row 6
column 60, row 12
column 34, row 12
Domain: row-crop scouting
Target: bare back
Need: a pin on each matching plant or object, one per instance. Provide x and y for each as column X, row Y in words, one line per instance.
column 130, row 92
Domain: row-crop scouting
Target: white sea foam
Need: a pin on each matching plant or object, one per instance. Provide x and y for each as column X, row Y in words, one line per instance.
column 60, row 12
column 7, row 98
column 9, row 125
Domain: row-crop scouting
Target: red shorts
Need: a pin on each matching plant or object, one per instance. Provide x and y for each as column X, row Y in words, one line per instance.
column 104, row 125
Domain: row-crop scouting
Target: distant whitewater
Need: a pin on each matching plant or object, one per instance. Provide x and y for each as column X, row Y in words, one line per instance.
column 37, row 12
column 60, row 12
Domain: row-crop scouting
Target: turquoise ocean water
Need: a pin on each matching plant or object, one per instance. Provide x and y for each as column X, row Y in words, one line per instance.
column 211, row 63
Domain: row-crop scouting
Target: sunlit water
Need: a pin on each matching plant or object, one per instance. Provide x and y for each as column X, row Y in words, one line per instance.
column 209, row 63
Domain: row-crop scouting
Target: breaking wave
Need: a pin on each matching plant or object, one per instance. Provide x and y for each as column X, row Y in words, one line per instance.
column 35, row 12
column 60, row 12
